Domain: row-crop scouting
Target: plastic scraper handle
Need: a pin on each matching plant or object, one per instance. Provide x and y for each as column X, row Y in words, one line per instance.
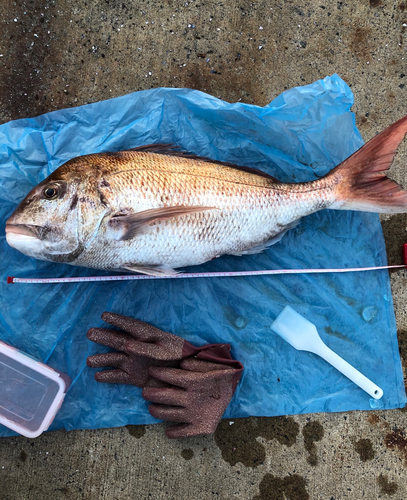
column 349, row 371
column 303, row 336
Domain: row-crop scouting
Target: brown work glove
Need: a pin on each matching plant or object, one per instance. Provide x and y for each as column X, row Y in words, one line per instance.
column 140, row 347
column 199, row 394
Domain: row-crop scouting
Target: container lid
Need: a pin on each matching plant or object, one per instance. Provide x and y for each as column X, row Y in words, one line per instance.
column 31, row 393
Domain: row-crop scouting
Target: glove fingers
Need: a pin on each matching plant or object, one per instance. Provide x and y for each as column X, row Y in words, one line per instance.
column 174, row 376
column 171, row 413
column 166, row 396
column 115, row 359
column 112, row 377
column 138, row 329
column 109, row 338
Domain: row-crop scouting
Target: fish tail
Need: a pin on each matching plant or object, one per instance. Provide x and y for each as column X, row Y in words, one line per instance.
column 361, row 182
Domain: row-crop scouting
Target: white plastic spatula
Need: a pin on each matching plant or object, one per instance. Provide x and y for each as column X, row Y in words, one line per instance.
column 303, row 336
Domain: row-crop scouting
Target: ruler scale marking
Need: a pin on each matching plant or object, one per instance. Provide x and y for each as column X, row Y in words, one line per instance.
column 222, row 274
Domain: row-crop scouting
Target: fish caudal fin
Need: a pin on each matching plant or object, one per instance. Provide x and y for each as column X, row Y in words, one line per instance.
column 361, row 182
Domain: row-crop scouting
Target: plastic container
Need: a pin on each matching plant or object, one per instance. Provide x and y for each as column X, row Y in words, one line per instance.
column 31, row 393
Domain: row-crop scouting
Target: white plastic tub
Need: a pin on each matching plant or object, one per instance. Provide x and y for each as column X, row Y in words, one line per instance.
column 31, row 393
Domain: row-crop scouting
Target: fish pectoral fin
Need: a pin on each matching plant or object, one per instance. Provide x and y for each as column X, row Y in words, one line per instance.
column 127, row 226
column 158, row 270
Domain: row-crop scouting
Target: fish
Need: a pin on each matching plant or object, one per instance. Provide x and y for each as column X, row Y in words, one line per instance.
column 154, row 209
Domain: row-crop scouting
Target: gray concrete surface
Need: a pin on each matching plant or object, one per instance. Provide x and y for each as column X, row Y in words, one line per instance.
column 60, row 53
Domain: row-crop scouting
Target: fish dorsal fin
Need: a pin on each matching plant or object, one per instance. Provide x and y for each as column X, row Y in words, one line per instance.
column 171, row 150
column 155, row 148
column 127, row 226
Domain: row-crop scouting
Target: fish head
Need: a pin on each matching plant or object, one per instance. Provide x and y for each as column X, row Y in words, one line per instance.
column 58, row 217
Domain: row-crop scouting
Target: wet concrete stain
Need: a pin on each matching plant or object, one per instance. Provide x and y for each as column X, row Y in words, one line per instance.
column 386, row 487
column 397, row 440
column 286, row 488
column 23, row 456
column 187, row 453
column 312, row 432
column 359, row 41
column 237, row 440
column 373, row 419
column 365, row 449
column 137, row 431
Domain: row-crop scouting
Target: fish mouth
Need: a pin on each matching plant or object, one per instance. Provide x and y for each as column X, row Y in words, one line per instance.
column 24, row 238
column 23, row 231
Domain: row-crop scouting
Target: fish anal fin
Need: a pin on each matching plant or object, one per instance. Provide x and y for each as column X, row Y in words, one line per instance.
column 127, row 226
column 272, row 241
column 154, row 270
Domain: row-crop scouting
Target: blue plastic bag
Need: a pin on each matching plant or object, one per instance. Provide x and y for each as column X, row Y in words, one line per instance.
column 299, row 136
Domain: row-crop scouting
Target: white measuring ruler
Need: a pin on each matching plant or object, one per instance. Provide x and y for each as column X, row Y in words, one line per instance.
column 224, row 274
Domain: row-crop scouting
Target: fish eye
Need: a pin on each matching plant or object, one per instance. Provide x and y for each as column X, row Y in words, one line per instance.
column 51, row 192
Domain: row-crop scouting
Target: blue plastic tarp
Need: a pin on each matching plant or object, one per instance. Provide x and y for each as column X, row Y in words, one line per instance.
column 299, row 136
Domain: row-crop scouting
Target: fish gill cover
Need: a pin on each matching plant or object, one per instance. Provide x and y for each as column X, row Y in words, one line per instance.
column 299, row 136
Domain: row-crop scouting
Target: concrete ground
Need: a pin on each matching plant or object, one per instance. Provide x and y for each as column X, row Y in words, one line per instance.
column 56, row 54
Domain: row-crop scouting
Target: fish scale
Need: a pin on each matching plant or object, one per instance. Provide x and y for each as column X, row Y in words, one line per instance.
column 245, row 212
